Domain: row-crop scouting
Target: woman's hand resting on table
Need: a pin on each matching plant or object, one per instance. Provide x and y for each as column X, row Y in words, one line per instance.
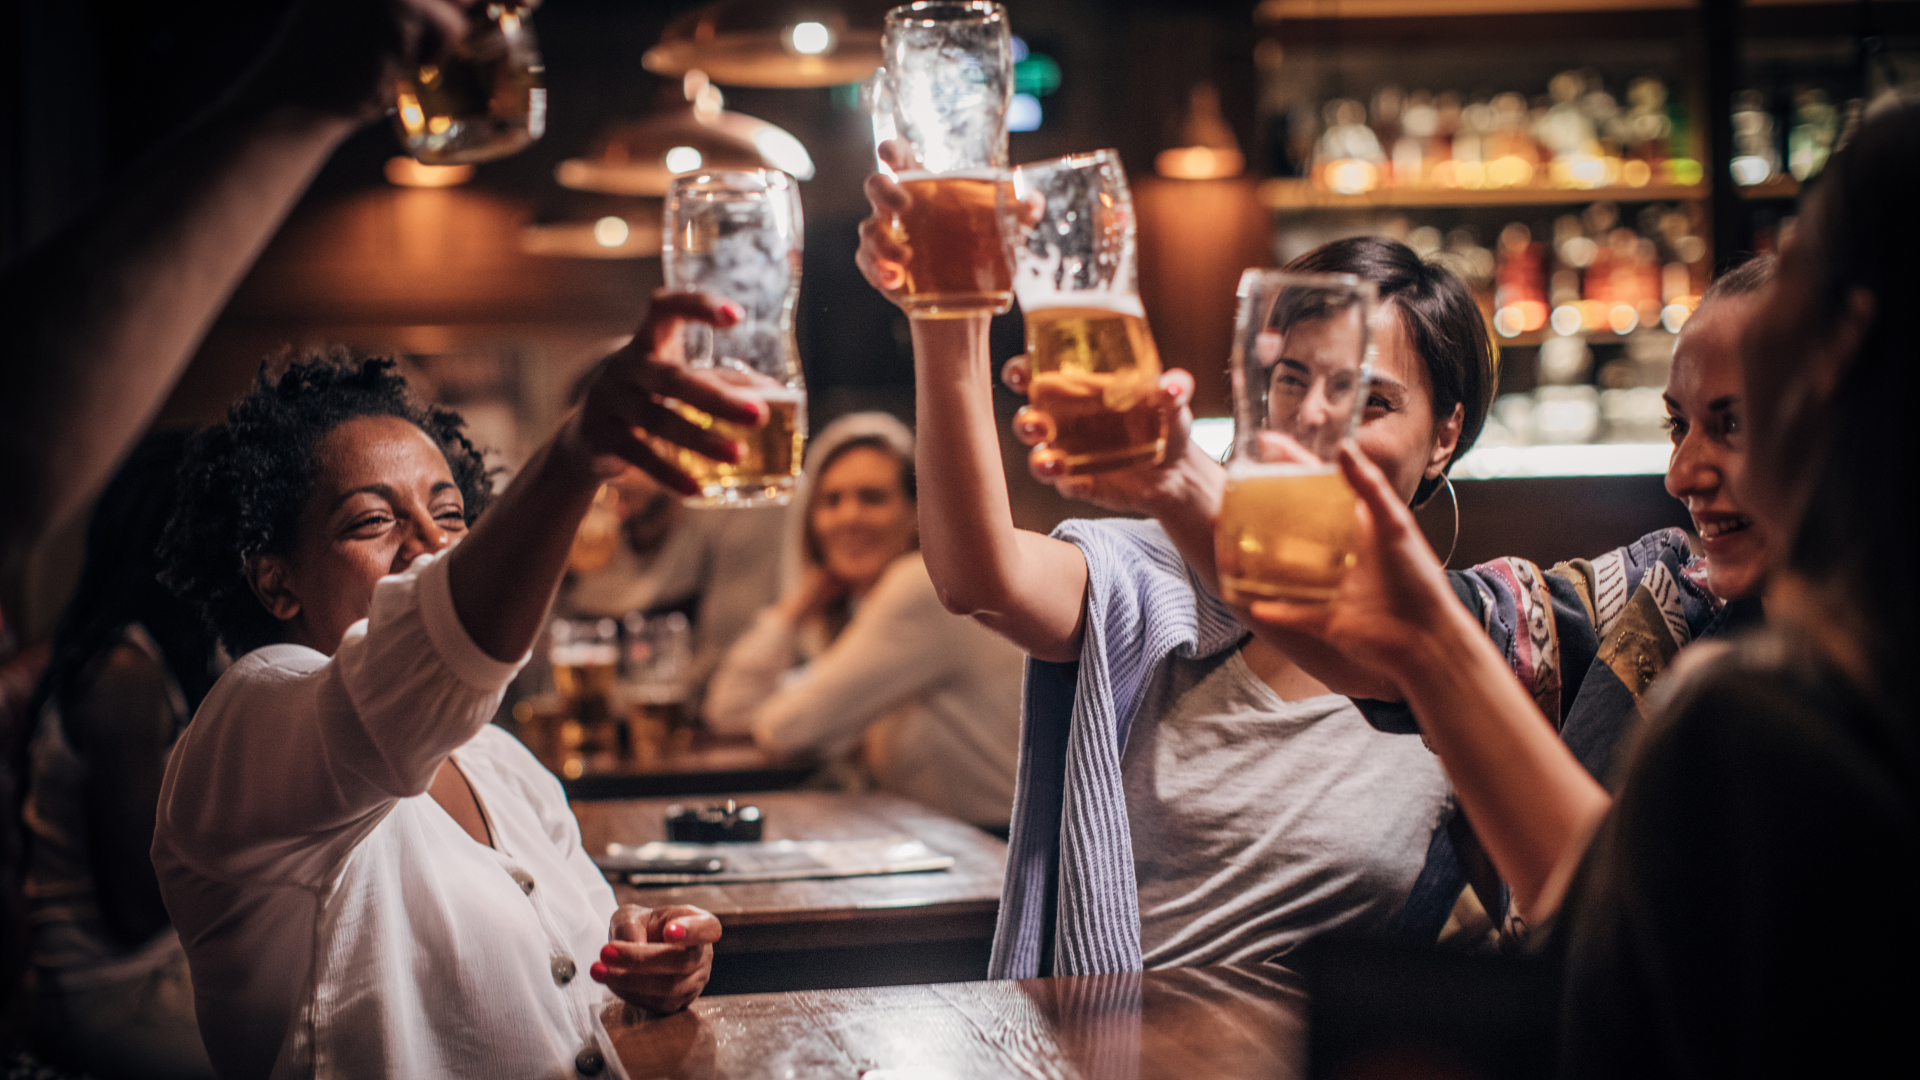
column 658, row 959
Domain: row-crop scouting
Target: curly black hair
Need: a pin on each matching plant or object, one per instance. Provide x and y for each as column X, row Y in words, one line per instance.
column 244, row 482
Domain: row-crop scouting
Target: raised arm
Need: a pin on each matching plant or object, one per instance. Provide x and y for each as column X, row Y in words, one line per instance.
column 1029, row 588
column 1532, row 804
column 1182, row 492
column 97, row 322
column 504, row 576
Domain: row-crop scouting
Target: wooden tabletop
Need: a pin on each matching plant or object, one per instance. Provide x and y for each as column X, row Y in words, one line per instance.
column 712, row 764
column 893, row 909
column 1191, row 1022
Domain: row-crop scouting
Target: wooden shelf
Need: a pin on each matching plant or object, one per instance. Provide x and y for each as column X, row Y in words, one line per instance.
column 1779, row 187
column 1288, row 194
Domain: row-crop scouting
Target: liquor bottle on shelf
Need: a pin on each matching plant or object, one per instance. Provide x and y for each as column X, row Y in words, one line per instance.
column 1576, row 136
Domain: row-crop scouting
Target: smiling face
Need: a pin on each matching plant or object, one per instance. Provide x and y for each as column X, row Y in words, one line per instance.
column 1707, row 415
column 861, row 517
column 1398, row 431
column 383, row 497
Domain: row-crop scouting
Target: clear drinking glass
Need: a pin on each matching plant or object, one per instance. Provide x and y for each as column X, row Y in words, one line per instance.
column 737, row 234
column 943, row 94
column 585, row 654
column 484, row 100
column 658, row 655
column 1300, row 368
column 1096, row 370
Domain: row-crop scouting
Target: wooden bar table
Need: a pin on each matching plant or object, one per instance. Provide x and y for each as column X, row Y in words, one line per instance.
column 1191, row 1022
column 713, row 764
column 879, row 930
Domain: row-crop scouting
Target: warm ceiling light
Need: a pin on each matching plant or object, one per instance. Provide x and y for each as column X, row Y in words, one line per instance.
column 641, row 157
column 1207, row 150
column 810, row 38
column 596, row 228
column 405, row 172
column 784, row 43
column 611, row 231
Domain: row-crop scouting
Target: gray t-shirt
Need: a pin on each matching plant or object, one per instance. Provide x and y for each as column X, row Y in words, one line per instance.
column 1259, row 823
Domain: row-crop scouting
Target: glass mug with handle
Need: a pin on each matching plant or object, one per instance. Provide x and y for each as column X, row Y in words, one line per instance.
column 1096, row 370
column 737, row 234
column 1300, row 369
column 942, row 96
column 485, row 99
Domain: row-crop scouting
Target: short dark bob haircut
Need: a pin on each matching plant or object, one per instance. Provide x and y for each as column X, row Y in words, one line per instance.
column 1442, row 320
column 244, row 483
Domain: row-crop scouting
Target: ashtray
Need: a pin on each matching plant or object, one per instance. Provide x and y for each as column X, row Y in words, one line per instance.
column 716, row 823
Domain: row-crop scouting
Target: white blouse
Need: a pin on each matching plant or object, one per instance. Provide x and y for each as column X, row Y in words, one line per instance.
column 338, row 921
column 935, row 696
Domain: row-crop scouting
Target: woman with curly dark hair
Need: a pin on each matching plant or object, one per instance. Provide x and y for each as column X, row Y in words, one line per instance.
column 368, row 877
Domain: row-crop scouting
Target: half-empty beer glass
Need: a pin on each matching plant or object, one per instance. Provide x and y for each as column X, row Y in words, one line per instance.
column 485, row 99
column 1300, row 368
column 943, row 95
column 1096, row 371
column 737, row 234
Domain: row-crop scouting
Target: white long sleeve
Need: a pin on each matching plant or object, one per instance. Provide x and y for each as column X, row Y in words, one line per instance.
column 945, row 691
column 751, row 672
column 337, row 920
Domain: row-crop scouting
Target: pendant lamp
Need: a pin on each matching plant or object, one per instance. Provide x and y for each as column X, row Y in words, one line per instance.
column 1207, row 150
column 641, row 157
column 773, row 43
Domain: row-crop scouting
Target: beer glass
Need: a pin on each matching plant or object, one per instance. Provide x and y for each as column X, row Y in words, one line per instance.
column 585, row 654
column 942, row 94
column 484, row 100
column 1096, row 371
column 657, row 651
column 1300, row 368
column 737, row 234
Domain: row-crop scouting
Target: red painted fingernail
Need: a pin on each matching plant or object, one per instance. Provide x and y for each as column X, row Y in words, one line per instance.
column 609, row 953
column 735, row 312
column 676, row 931
column 598, row 971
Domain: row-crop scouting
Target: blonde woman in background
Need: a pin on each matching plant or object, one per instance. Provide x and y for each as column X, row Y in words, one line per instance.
column 859, row 663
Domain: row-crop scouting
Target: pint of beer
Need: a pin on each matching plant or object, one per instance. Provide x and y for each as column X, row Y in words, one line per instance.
column 765, row 472
column 1096, row 370
column 737, row 234
column 484, row 100
column 1285, row 532
column 585, row 654
column 942, row 96
column 958, row 264
column 1300, row 369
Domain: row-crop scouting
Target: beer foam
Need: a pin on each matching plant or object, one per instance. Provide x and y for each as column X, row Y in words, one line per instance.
column 783, row 393
column 584, row 653
column 1117, row 303
column 1250, row 470
column 957, row 174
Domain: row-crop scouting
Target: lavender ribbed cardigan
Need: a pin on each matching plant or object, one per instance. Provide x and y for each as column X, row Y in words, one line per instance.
column 1070, row 904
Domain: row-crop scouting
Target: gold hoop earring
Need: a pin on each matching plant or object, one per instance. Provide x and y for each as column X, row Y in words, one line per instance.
column 1455, row 500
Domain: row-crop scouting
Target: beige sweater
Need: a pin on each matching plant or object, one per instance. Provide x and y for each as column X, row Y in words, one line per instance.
column 934, row 696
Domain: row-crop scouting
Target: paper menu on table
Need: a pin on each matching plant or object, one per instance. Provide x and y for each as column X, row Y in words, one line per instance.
column 783, row 860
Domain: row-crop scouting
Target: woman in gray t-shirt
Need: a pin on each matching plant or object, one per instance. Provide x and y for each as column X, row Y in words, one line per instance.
column 1187, row 794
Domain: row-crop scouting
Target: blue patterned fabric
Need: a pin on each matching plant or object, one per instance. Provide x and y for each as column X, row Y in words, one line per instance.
column 1586, row 637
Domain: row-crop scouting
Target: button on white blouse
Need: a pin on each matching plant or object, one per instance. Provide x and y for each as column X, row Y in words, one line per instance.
column 338, row 921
